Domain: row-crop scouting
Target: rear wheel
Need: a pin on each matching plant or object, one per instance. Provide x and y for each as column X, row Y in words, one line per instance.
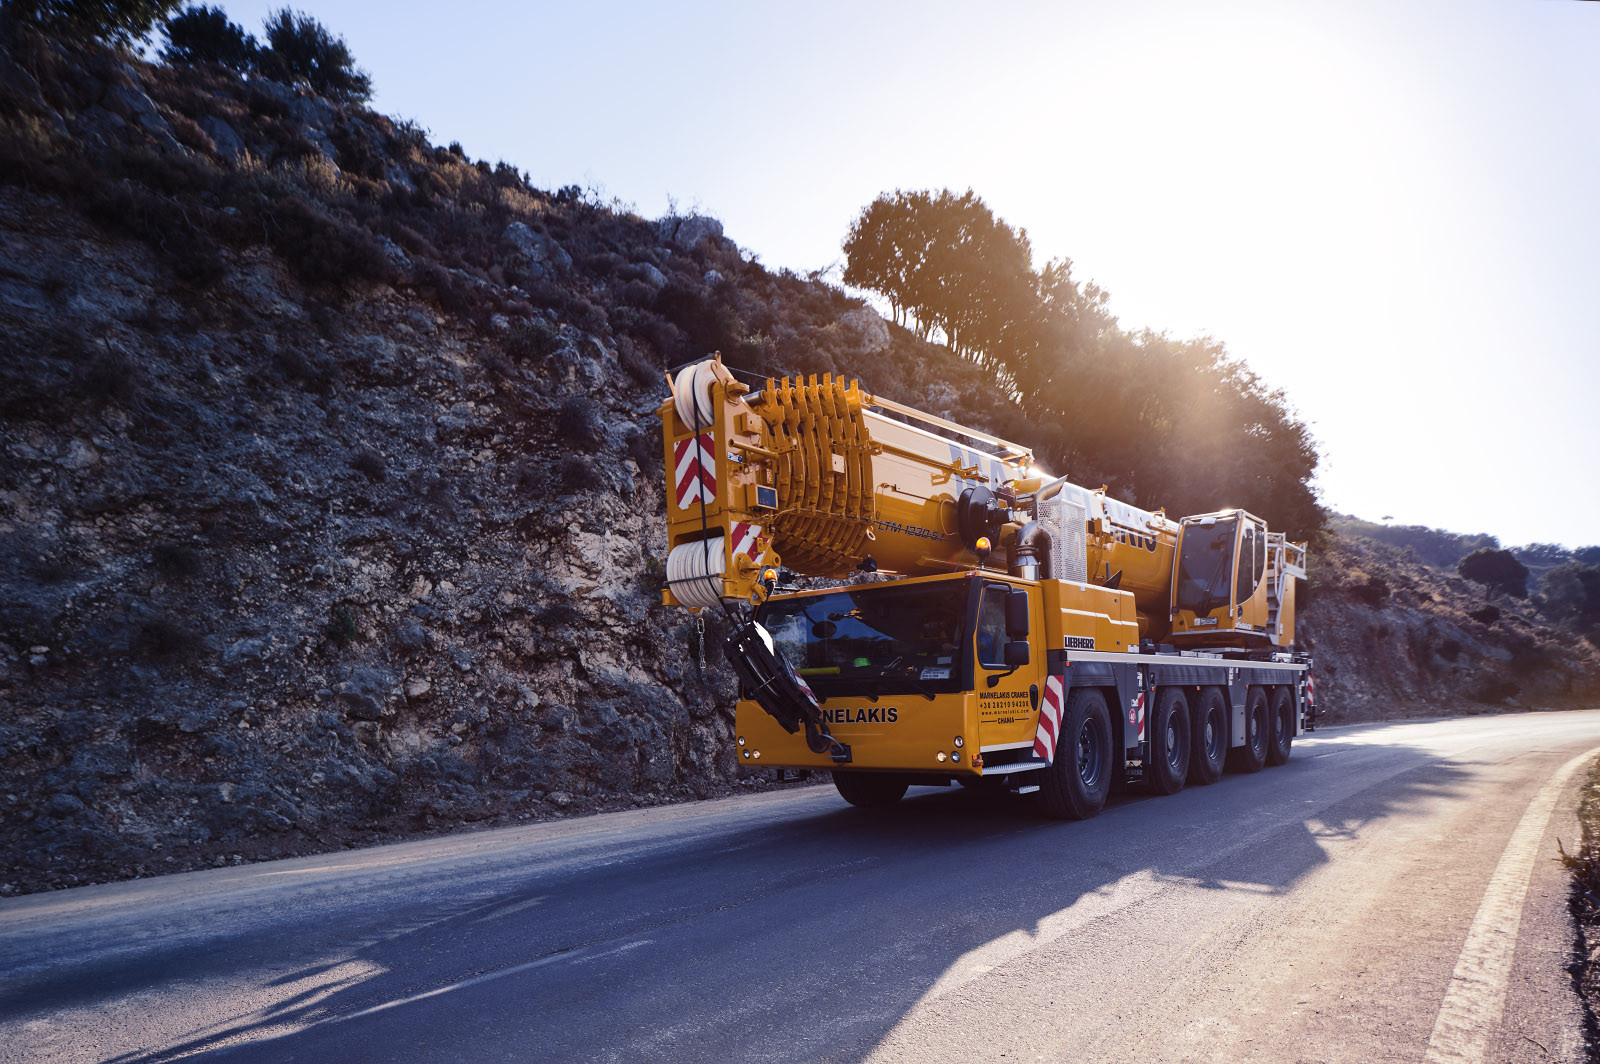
column 1075, row 785
column 1208, row 734
column 870, row 790
column 1280, row 711
column 1168, row 764
column 1252, row 756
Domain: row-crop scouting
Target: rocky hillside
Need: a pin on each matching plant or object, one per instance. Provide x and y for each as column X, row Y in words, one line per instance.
column 331, row 503
column 1394, row 637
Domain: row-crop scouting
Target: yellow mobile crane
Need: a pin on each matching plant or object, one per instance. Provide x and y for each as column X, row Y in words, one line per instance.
column 1036, row 635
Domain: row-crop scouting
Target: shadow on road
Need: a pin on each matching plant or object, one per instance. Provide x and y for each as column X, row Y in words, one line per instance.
column 791, row 938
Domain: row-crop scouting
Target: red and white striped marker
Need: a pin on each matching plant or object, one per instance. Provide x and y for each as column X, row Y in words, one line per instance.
column 744, row 539
column 695, row 470
column 1136, row 714
column 1044, row 739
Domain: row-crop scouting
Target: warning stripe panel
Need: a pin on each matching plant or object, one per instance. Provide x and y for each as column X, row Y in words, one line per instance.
column 695, row 470
column 1049, row 730
column 744, row 539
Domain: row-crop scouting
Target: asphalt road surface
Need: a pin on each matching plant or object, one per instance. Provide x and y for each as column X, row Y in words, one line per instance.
column 1390, row 894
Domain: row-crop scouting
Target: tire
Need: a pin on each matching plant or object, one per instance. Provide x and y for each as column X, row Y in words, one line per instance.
column 1077, row 782
column 1167, row 767
column 870, row 790
column 1252, row 756
column 1208, row 734
column 1280, row 711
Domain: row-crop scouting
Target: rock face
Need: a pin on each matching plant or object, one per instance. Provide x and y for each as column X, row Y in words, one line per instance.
column 1395, row 638
column 331, row 499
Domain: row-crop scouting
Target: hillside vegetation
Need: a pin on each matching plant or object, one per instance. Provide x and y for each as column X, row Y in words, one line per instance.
column 331, row 507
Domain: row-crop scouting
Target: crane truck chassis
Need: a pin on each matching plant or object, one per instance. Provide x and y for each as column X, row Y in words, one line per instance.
column 984, row 624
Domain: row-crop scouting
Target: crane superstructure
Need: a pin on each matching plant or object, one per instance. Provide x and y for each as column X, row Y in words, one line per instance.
column 983, row 623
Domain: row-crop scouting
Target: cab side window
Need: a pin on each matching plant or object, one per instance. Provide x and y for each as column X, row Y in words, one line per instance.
column 992, row 628
column 1247, row 563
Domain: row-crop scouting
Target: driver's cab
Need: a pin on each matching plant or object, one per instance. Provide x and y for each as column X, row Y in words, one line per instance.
column 1218, row 585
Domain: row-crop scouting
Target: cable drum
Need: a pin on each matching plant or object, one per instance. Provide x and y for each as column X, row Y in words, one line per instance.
column 691, row 389
column 695, row 571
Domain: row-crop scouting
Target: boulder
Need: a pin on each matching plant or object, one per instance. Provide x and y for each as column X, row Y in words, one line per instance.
column 865, row 329
column 690, row 231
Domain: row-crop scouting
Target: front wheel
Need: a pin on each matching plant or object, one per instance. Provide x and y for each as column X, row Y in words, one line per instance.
column 870, row 790
column 1077, row 782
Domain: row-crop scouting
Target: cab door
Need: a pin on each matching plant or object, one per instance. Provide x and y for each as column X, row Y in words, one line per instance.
column 1008, row 667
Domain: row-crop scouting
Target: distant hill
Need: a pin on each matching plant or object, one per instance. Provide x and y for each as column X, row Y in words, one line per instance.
column 1442, row 550
column 1432, row 546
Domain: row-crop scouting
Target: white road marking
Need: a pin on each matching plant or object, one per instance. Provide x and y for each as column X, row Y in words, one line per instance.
column 1476, row 996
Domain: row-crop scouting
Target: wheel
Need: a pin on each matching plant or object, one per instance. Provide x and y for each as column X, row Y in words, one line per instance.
column 1075, row 785
column 1168, row 764
column 1252, row 756
column 870, row 790
column 1280, row 711
column 1208, row 731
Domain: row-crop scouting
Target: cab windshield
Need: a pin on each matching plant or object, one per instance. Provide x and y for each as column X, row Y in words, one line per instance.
column 878, row 638
column 1205, row 567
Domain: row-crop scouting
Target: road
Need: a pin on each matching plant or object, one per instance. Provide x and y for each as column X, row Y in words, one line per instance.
column 1390, row 894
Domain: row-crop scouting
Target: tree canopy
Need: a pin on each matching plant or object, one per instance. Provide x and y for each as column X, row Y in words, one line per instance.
column 301, row 50
column 1163, row 423
column 200, row 34
column 116, row 22
column 1497, row 570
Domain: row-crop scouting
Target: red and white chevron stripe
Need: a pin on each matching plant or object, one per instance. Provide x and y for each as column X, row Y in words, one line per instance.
column 1136, row 714
column 744, row 539
column 1044, row 739
column 695, row 469
column 1311, row 689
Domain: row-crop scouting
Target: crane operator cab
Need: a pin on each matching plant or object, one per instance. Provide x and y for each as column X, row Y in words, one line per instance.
column 1234, row 582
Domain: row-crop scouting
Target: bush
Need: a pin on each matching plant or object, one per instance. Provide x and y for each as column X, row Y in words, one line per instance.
column 638, row 365
column 301, row 50
column 579, row 423
column 1373, row 592
column 341, row 627
column 324, row 250
column 533, row 341
column 578, row 473
column 176, row 561
column 370, row 464
column 163, row 637
column 200, row 34
column 1485, row 614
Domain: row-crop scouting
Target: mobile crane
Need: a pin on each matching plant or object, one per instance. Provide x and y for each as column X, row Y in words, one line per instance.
column 983, row 623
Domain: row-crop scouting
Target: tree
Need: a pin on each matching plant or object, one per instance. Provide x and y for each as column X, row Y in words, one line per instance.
column 301, row 50
column 1496, row 570
column 1161, row 422
column 200, row 34
column 1572, row 594
column 116, row 22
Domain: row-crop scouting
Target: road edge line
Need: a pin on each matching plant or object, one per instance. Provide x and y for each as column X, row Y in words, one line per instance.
column 1476, row 996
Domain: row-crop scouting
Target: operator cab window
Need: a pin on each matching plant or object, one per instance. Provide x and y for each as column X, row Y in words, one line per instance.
column 992, row 627
column 1247, row 563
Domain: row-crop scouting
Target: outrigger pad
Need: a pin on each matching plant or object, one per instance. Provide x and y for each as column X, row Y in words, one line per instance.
column 778, row 689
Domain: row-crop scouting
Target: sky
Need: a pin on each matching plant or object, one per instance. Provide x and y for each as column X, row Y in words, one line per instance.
column 1390, row 210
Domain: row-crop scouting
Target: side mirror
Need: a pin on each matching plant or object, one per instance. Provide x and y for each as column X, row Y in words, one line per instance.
column 1017, row 614
column 1017, row 653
